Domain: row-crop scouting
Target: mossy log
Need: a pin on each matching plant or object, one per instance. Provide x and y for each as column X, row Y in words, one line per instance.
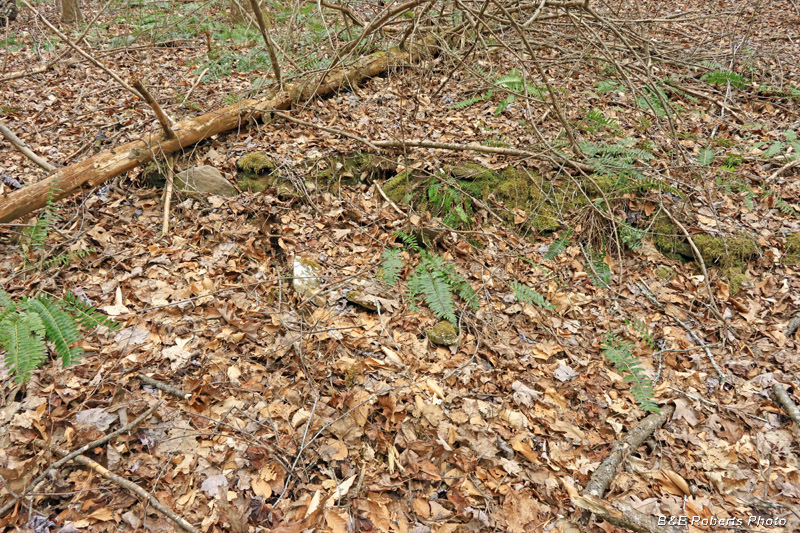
column 105, row 165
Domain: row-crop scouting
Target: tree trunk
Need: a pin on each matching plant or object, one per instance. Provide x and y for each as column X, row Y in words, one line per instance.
column 71, row 11
column 105, row 165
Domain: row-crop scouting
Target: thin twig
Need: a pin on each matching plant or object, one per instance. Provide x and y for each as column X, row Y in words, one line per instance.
column 94, row 444
column 27, row 152
column 152, row 501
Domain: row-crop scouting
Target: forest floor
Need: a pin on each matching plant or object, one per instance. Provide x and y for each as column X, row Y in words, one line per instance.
column 318, row 414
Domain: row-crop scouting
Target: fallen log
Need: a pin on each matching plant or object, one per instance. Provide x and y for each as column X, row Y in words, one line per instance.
column 105, row 165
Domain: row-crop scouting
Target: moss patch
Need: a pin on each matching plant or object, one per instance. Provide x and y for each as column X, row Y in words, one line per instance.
column 257, row 163
column 663, row 272
column 728, row 254
column 399, row 187
column 669, row 240
column 792, row 256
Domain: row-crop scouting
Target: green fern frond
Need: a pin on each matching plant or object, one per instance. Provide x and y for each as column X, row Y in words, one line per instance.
column 22, row 338
column 391, row 266
column 598, row 270
column 87, row 316
column 474, row 100
column 409, row 240
column 595, row 119
column 723, row 77
column 59, row 326
column 640, row 326
column 525, row 294
column 432, row 286
column 620, row 354
column 559, row 245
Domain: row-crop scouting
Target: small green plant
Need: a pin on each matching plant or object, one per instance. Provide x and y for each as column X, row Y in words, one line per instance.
column 525, row 294
column 620, row 354
column 724, row 77
column 435, row 280
column 391, row 266
column 515, row 83
column 630, row 236
column 595, row 120
column 779, row 147
column 474, row 100
column 654, row 100
column 609, row 86
column 705, row 157
column 640, row 327
column 559, row 245
column 783, row 206
column 26, row 325
column 597, row 269
column 450, row 203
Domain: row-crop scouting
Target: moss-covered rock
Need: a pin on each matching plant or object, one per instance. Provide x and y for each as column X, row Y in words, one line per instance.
column 398, row 187
column 727, row 252
column 669, row 240
column 257, row 163
column 792, row 256
column 663, row 272
column 444, row 334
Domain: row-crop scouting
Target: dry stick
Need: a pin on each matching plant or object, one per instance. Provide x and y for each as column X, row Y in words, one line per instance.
column 166, row 125
column 78, row 49
column 326, row 128
column 169, row 389
column 194, row 86
column 273, row 55
column 783, row 169
column 27, row 152
column 344, row 9
column 591, row 498
column 95, row 443
column 152, row 501
column 786, row 402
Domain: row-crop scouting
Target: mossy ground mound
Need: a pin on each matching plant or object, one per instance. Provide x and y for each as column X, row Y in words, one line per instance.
column 729, row 254
column 257, row 174
column 792, row 256
column 454, row 194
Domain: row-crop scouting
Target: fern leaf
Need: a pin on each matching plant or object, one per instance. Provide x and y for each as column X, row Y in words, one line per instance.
column 392, row 265
column 559, row 245
column 59, row 326
column 22, row 338
column 620, row 354
column 436, row 292
column 86, row 315
column 525, row 294
column 598, row 270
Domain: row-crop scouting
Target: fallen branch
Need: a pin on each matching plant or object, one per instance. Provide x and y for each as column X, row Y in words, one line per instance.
column 474, row 147
column 605, row 473
column 27, row 152
column 67, row 457
column 591, row 498
column 786, row 402
column 105, row 165
column 630, row 519
column 151, row 500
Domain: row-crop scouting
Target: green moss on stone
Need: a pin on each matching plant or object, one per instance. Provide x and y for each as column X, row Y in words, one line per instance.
column 727, row 252
column 256, row 163
column 663, row 272
column 398, row 187
column 668, row 239
column 792, row 256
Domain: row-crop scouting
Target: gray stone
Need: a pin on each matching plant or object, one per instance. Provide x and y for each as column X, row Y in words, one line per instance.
column 203, row 181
